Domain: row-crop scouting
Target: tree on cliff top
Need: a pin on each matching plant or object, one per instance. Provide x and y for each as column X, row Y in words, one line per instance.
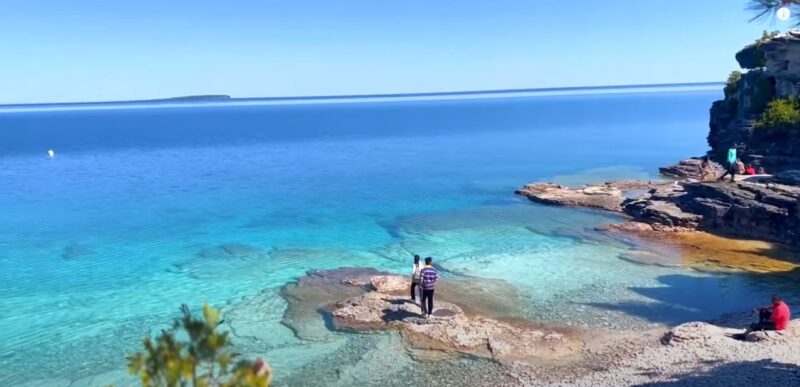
column 767, row 9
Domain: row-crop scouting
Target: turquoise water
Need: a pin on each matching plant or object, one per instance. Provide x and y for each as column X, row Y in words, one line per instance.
column 101, row 244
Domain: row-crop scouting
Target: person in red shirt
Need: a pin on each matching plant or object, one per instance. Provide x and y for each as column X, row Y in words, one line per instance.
column 774, row 317
column 750, row 170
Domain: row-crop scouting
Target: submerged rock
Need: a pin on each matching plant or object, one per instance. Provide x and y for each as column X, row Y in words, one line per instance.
column 234, row 251
column 75, row 251
column 307, row 299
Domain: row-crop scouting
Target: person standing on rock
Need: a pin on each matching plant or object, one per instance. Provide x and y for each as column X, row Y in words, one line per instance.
column 428, row 275
column 732, row 158
column 415, row 278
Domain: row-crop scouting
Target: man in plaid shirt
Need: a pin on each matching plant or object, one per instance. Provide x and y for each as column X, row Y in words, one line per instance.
column 428, row 276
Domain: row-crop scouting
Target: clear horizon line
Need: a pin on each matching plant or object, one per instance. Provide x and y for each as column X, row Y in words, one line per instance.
column 226, row 98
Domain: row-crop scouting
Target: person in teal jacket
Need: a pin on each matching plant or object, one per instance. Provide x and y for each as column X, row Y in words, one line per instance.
column 732, row 158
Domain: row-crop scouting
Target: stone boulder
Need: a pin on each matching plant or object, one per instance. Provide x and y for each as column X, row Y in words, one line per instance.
column 691, row 169
column 662, row 214
column 692, row 331
column 389, row 283
column 792, row 332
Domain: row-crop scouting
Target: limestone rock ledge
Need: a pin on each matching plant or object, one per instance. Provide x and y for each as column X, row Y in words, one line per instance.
column 449, row 330
column 607, row 196
column 758, row 207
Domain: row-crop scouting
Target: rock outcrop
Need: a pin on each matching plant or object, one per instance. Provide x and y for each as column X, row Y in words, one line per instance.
column 608, row 196
column 758, row 208
column 449, row 329
column 774, row 72
column 692, row 169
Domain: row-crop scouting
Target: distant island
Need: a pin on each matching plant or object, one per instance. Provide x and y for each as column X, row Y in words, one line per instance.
column 223, row 97
column 208, row 97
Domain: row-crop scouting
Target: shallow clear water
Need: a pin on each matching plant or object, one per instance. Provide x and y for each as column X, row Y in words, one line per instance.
column 101, row 244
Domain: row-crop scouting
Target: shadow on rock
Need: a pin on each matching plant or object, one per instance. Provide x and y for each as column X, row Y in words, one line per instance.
column 697, row 298
column 752, row 373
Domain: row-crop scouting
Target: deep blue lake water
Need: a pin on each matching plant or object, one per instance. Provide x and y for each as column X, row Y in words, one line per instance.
column 102, row 243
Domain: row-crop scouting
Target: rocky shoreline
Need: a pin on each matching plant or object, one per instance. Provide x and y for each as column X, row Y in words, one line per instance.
column 373, row 303
column 755, row 207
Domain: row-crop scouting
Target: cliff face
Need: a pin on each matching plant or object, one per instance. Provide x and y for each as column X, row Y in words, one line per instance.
column 774, row 72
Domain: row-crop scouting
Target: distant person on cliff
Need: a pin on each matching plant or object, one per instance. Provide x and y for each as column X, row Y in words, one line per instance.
column 705, row 165
column 429, row 276
column 762, row 171
column 415, row 277
column 773, row 317
column 731, row 164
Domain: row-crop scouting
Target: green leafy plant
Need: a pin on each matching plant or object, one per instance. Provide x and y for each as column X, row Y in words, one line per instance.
column 765, row 36
column 783, row 114
column 193, row 353
column 731, row 83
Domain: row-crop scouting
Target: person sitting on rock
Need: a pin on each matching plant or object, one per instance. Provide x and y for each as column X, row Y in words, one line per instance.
column 750, row 170
column 740, row 169
column 704, row 166
column 428, row 275
column 415, row 277
column 761, row 171
column 774, row 317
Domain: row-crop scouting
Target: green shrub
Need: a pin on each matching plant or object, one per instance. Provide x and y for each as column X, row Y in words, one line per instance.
column 730, row 84
column 780, row 114
column 766, row 36
column 203, row 359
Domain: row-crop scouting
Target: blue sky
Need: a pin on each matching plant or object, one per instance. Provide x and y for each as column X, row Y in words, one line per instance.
column 81, row 50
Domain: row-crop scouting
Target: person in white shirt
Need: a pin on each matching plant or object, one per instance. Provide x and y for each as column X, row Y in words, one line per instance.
column 415, row 278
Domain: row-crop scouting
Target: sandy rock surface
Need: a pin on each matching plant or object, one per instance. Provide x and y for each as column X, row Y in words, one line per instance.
column 389, row 283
